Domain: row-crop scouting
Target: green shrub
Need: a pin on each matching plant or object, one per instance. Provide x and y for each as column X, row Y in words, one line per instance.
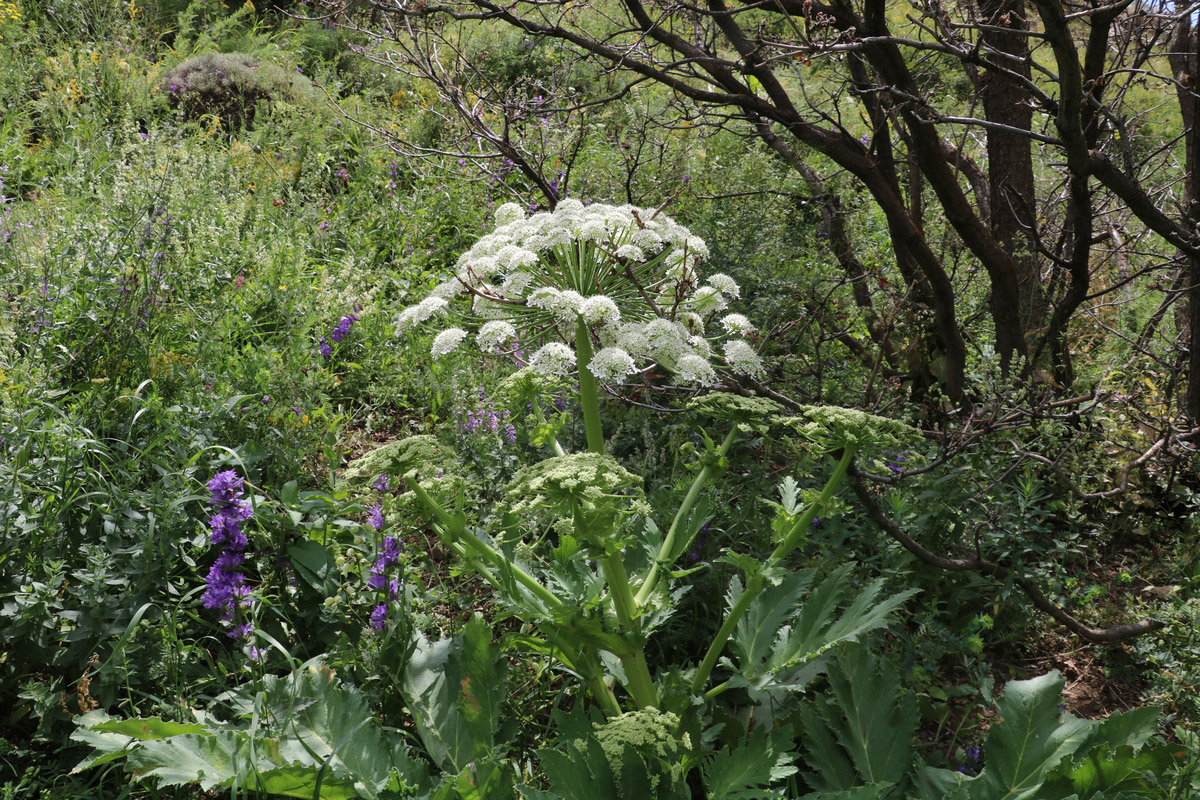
column 229, row 86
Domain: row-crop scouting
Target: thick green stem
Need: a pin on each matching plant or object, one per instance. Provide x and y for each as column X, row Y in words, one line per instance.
column 800, row 527
column 637, row 672
column 589, row 389
column 756, row 583
column 456, row 529
column 668, row 545
column 586, row 666
column 540, row 417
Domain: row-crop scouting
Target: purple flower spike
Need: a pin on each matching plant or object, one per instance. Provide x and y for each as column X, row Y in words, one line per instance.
column 376, row 518
column 379, row 617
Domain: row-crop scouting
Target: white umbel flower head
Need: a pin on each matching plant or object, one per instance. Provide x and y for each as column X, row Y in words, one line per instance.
column 612, row 364
column 691, row 368
column 512, row 257
column 413, row 316
column 447, row 341
column 725, row 285
column 667, row 340
column 508, row 214
column 632, row 339
column 599, row 309
column 708, row 300
column 631, row 252
column 742, row 359
column 554, row 358
column 737, row 323
column 493, row 334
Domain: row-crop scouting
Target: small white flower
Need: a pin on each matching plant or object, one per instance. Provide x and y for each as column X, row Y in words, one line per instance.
column 512, row 257
column 693, row 322
column 742, row 359
column 599, row 309
column 708, row 300
column 413, row 316
column 509, row 213
column 447, row 341
column 666, row 339
column 696, row 247
column 544, row 297
column 692, row 368
column 612, row 364
column 725, row 284
column 632, row 339
column 515, row 284
column 483, row 266
column 737, row 323
column 700, row 345
column 493, row 334
column 553, row 359
column 448, row 290
column 647, row 239
column 593, row 231
column 568, row 206
column 631, row 252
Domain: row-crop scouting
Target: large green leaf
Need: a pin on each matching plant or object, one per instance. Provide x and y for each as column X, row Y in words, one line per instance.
column 454, row 688
column 861, row 733
column 1034, row 742
column 206, row 759
column 1109, row 772
column 754, row 769
column 757, row 631
column 773, row 655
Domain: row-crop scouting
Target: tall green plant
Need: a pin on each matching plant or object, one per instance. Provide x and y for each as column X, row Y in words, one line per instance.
column 607, row 294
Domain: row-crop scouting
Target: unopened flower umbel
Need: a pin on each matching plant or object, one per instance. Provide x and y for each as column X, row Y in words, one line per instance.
column 628, row 278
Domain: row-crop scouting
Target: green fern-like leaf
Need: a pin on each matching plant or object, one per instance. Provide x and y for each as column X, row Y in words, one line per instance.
column 753, row 770
column 861, row 733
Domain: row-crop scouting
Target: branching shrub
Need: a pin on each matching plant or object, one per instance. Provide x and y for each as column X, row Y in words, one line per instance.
column 228, row 85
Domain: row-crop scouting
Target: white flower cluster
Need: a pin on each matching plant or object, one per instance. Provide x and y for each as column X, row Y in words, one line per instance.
column 630, row 276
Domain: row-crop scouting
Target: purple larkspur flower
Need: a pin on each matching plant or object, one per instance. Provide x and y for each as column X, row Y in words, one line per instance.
column 324, row 348
column 383, row 484
column 343, row 327
column 510, row 433
column 226, row 588
column 391, row 550
column 376, row 517
column 379, row 617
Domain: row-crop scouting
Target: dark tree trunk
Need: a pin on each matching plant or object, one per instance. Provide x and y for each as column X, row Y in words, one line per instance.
column 1010, row 158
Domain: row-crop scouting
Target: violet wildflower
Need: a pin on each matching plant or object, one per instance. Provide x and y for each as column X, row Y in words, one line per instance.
column 226, row 588
column 376, row 518
column 325, row 349
column 379, row 617
column 383, row 484
column 510, row 433
column 343, row 327
column 378, row 581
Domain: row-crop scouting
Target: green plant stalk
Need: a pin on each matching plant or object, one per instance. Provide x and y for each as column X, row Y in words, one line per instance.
column 641, row 685
column 539, row 416
column 800, row 528
column 583, row 663
column 456, row 529
column 589, row 389
column 756, row 582
column 706, row 474
column 586, row 665
column 637, row 672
